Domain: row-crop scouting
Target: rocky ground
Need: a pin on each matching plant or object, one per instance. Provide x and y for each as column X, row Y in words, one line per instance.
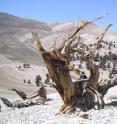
column 45, row 114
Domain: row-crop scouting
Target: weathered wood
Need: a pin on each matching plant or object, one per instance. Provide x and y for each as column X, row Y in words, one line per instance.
column 20, row 93
column 39, row 97
column 103, row 88
column 7, row 102
column 72, row 93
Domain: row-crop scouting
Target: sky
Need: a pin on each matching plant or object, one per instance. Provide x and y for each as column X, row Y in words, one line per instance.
column 52, row 11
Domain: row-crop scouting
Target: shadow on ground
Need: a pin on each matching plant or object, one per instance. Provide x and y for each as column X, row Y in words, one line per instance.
column 113, row 103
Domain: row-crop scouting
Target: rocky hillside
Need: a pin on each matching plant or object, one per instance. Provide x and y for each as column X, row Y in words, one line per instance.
column 16, row 43
column 11, row 25
column 16, row 40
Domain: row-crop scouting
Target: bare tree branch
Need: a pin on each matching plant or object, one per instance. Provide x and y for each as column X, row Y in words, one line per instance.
column 37, row 39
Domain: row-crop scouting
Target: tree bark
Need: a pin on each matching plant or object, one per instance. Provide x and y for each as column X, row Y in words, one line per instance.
column 72, row 93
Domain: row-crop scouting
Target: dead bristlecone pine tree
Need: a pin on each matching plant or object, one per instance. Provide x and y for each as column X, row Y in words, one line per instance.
column 72, row 93
column 39, row 97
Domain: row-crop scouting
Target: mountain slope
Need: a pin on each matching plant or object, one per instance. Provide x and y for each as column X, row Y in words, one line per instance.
column 16, row 42
column 7, row 20
column 89, row 34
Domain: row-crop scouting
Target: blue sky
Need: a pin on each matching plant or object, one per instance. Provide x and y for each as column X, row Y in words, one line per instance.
column 63, row 10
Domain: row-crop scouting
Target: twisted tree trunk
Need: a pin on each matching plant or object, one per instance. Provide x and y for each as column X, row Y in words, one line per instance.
column 72, row 93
